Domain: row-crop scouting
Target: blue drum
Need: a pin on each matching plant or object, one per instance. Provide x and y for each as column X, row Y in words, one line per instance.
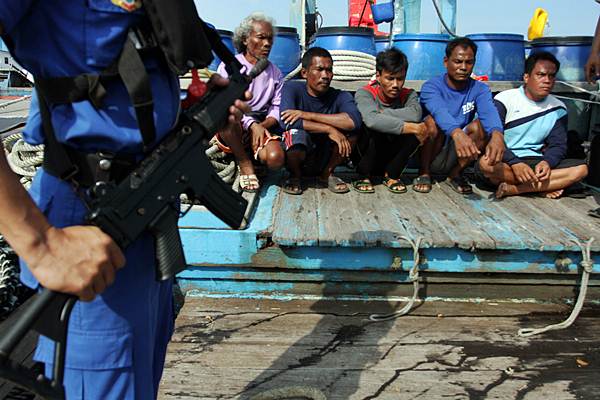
column 286, row 50
column 346, row 38
column 425, row 53
column 571, row 51
column 500, row 56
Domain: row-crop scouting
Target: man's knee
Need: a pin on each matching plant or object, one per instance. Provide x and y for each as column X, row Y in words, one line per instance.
column 580, row 172
column 275, row 157
column 476, row 133
column 485, row 167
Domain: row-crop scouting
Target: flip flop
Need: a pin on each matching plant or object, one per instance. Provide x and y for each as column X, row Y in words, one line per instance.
column 332, row 184
column 394, row 185
column 292, row 186
column 460, row 185
column 361, row 185
column 249, row 183
column 422, row 180
column 594, row 213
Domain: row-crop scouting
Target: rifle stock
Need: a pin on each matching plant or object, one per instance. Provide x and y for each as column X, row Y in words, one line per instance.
column 147, row 200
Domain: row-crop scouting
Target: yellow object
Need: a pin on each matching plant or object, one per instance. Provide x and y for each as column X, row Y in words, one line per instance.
column 537, row 24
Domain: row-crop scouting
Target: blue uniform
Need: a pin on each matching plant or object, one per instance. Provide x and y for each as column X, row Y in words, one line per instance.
column 117, row 343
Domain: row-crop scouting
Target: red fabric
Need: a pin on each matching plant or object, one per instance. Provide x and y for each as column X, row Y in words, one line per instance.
column 373, row 88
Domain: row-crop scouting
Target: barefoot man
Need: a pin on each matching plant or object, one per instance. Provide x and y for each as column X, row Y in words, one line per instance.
column 535, row 132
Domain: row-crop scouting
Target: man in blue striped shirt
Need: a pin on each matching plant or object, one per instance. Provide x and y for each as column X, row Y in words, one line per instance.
column 535, row 133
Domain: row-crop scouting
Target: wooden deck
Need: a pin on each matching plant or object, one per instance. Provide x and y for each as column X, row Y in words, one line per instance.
column 234, row 349
column 443, row 218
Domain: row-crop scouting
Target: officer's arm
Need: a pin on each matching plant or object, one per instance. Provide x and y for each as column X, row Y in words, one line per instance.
column 79, row 260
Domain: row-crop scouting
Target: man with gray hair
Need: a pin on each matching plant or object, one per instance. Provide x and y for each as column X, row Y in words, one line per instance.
column 253, row 39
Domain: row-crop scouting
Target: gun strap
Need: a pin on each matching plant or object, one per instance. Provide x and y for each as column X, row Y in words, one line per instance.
column 62, row 161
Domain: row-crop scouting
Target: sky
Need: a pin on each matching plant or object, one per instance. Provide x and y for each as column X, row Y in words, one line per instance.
column 565, row 17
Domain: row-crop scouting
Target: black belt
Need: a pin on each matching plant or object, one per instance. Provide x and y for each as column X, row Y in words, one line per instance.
column 94, row 167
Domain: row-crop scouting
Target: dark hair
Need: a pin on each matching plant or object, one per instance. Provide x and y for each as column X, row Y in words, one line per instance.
column 391, row 60
column 312, row 53
column 463, row 42
column 536, row 56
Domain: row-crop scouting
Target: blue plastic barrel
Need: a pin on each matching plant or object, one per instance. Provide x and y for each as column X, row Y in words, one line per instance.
column 346, row 38
column 286, row 49
column 382, row 42
column 500, row 56
column 227, row 38
column 425, row 53
column 571, row 51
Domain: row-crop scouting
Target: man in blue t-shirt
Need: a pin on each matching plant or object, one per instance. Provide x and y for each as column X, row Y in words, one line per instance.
column 535, row 131
column 319, row 124
column 456, row 138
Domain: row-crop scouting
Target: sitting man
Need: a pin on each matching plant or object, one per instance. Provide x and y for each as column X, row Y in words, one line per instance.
column 320, row 122
column 452, row 100
column 535, row 131
column 392, row 117
column 258, row 140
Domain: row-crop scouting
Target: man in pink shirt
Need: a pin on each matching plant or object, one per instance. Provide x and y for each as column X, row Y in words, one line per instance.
column 254, row 40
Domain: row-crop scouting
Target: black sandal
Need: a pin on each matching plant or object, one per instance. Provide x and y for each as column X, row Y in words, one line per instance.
column 394, row 185
column 423, row 180
column 363, row 186
column 460, row 185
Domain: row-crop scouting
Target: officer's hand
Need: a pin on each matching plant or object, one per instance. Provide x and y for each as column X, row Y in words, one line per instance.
column 239, row 108
column 495, row 148
column 78, row 260
column 523, row 173
column 542, row 170
column 465, row 146
column 592, row 68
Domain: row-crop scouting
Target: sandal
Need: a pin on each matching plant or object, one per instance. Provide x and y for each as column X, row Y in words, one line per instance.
column 394, row 185
column 363, row 186
column 423, row 180
column 334, row 184
column 460, row 185
column 292, row 186
column 249, row 183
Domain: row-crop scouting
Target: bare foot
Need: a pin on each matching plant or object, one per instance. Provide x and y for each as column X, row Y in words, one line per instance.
column 555, row 194
column 504, row 189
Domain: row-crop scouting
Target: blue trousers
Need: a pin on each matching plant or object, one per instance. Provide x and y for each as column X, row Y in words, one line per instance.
column 117, row 343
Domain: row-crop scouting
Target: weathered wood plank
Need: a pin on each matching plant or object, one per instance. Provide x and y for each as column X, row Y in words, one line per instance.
column 446, row 213
column 339, row 221
column 295, row 221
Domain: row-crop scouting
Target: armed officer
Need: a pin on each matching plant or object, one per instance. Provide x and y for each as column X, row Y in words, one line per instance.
column 118, row 333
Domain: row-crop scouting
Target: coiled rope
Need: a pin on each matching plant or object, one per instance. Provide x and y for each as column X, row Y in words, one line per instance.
column 23, row 158
column 10, row 286
column 413, row 276
column 587, row 264
column 348, row 65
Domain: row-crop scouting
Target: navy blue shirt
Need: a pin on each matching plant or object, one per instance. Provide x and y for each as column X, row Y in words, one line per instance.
column 452, row 109
column 54, row 38
column 294, row 96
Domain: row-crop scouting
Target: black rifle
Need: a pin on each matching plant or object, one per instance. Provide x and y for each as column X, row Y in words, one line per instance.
column 147, row 200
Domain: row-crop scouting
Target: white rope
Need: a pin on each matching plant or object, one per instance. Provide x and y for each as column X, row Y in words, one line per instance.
column 348, row 65
column 352, row 65
column 23, row 158
column 595, row 94
column 576, row 99
column 587, row 264
column 413, row 276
